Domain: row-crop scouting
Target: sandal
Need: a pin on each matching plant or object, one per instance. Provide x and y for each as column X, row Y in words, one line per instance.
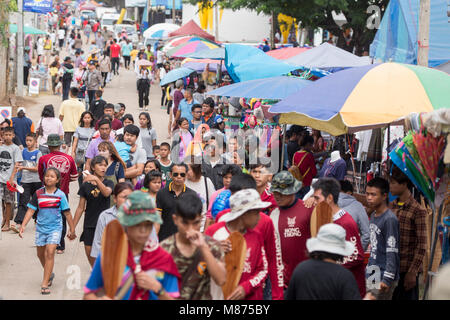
column 50, row 281
column 13, row 228
column 6, row 229
column 45, row 290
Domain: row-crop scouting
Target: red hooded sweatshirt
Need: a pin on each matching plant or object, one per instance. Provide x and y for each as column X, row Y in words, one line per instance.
column 255, row 267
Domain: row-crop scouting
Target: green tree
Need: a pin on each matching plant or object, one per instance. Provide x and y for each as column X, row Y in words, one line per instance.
column 318, row 13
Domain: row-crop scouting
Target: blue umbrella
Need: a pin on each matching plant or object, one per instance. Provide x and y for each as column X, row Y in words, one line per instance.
column 176, row 74
column 277, row 88
column 215, row 54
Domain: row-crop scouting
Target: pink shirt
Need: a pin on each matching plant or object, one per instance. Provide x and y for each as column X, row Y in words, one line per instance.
column 49, row 126
column 211, row 202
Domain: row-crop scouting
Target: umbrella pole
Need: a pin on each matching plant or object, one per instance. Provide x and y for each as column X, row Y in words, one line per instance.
column 433, row 246
column 283, row 140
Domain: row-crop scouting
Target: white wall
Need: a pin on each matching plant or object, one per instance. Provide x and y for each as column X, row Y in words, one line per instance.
column 235, row 26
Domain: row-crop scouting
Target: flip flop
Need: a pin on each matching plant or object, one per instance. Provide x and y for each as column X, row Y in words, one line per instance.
column 50, row 281
column 13, row 228
column 45, row 290
column 6, row 230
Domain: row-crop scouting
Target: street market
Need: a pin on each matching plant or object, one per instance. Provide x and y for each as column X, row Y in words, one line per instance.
column 147, row 155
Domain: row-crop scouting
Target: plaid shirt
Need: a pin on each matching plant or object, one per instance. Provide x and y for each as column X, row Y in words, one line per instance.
column 412, row 223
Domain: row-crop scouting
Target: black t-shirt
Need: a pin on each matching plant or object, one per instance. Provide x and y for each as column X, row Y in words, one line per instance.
column 166, row 202
column 292, row 148
column 96, row 203
column 97, row 108
column 319, row 280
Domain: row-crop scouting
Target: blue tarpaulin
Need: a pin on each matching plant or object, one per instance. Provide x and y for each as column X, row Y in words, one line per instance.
column 397, row 37
column 248, row 63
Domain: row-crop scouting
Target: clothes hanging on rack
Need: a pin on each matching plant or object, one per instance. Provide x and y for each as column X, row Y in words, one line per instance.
column 364, row 140
column 397, row 133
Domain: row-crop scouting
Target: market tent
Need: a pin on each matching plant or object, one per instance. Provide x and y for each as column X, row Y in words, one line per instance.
column 396, row 39
column 191, row 29
column 326, row 56
column 160, row 30
column 191, row 47
column 286, row 53
column 444, row 67
column 26, row 29
column 248, row 63
column 366, row 97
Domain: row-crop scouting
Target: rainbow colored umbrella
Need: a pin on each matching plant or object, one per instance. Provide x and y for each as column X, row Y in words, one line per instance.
column 191, row 47
column 178, row 41
column 366, row 97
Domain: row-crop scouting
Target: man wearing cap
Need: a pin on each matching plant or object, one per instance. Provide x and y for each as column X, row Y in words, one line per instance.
column 321, row 277
column 22, row 125
column 208, row 111
column 291, row 220
column 155, row 273
column 244, row 216
column 67, row 77
column 328, row 190
column 66, row 166
column 93, row 80
column 70, row 114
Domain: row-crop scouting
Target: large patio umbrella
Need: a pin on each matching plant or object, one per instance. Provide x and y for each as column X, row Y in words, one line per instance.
column 160, row 30
column 175, row 74
column 191, row 47
column 276, row 88
column 366, row 97
column 215, row 54
column 200, row 64
column 26, row 29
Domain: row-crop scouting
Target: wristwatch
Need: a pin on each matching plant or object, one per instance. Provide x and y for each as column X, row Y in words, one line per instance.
column 160, row 291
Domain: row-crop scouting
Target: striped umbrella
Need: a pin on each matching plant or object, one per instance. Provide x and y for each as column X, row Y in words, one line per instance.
column 172, row 43
column 366, row 97
column 160, row 30
column 191, row 47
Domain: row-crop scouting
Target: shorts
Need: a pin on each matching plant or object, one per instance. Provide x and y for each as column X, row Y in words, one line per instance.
column 43, row 239
column 7, row 195
column 88, row 236
column 68, row 138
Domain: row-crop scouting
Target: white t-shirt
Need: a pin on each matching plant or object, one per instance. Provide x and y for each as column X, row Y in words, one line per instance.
column 61, row 34
column 159, row 56
column 199, row 188
column 40, row 46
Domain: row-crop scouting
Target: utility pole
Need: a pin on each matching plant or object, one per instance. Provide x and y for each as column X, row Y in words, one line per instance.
column 272, row 31
column 216, row 21
column 424, row 33
column 149, row 11
column 173, row 11
column 20, row 61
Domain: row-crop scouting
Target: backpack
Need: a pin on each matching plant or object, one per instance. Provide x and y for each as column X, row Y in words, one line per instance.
column 295, row 170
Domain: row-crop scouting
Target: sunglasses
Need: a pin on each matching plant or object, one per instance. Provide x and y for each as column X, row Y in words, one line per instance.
column 176, row 174
column 280, row 185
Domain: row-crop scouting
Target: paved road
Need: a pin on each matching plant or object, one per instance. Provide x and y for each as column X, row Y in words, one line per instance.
column 20, row 270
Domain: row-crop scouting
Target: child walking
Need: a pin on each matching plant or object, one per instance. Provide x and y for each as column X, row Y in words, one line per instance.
column 94, row 195
column 30, row 177
column 51, row 203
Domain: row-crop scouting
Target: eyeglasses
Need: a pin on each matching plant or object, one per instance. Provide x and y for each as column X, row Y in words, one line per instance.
column 176, row 174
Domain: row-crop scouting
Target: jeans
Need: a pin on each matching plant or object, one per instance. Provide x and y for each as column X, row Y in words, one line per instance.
column 144, row 90
column 104, row 75
column 25, row 75
column 91, row 95
column 66, row 89
column 28, row 190
column 114, row 62
column 401, row 294
column 127, row 61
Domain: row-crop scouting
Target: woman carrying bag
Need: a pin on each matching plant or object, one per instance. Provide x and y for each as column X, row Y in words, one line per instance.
column 48, row 124
column 81, row 138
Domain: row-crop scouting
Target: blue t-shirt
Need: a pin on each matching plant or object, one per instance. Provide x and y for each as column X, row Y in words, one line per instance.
column 50, row 206
column 126, row 49
column 123, row 149
column 30, row 159
column 111, row 171
column 168, row 281
column 186, row 109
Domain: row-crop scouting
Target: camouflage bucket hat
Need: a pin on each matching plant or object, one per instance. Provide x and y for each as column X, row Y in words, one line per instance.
column 138, row 208
column 54, row 140
column 243, row 201
column 285, row 183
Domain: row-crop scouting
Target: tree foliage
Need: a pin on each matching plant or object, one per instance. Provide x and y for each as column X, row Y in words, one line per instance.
column 318, row 14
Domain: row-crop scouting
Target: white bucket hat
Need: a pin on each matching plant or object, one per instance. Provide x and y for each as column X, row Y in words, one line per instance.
column 243, row 201
column 331, row 239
